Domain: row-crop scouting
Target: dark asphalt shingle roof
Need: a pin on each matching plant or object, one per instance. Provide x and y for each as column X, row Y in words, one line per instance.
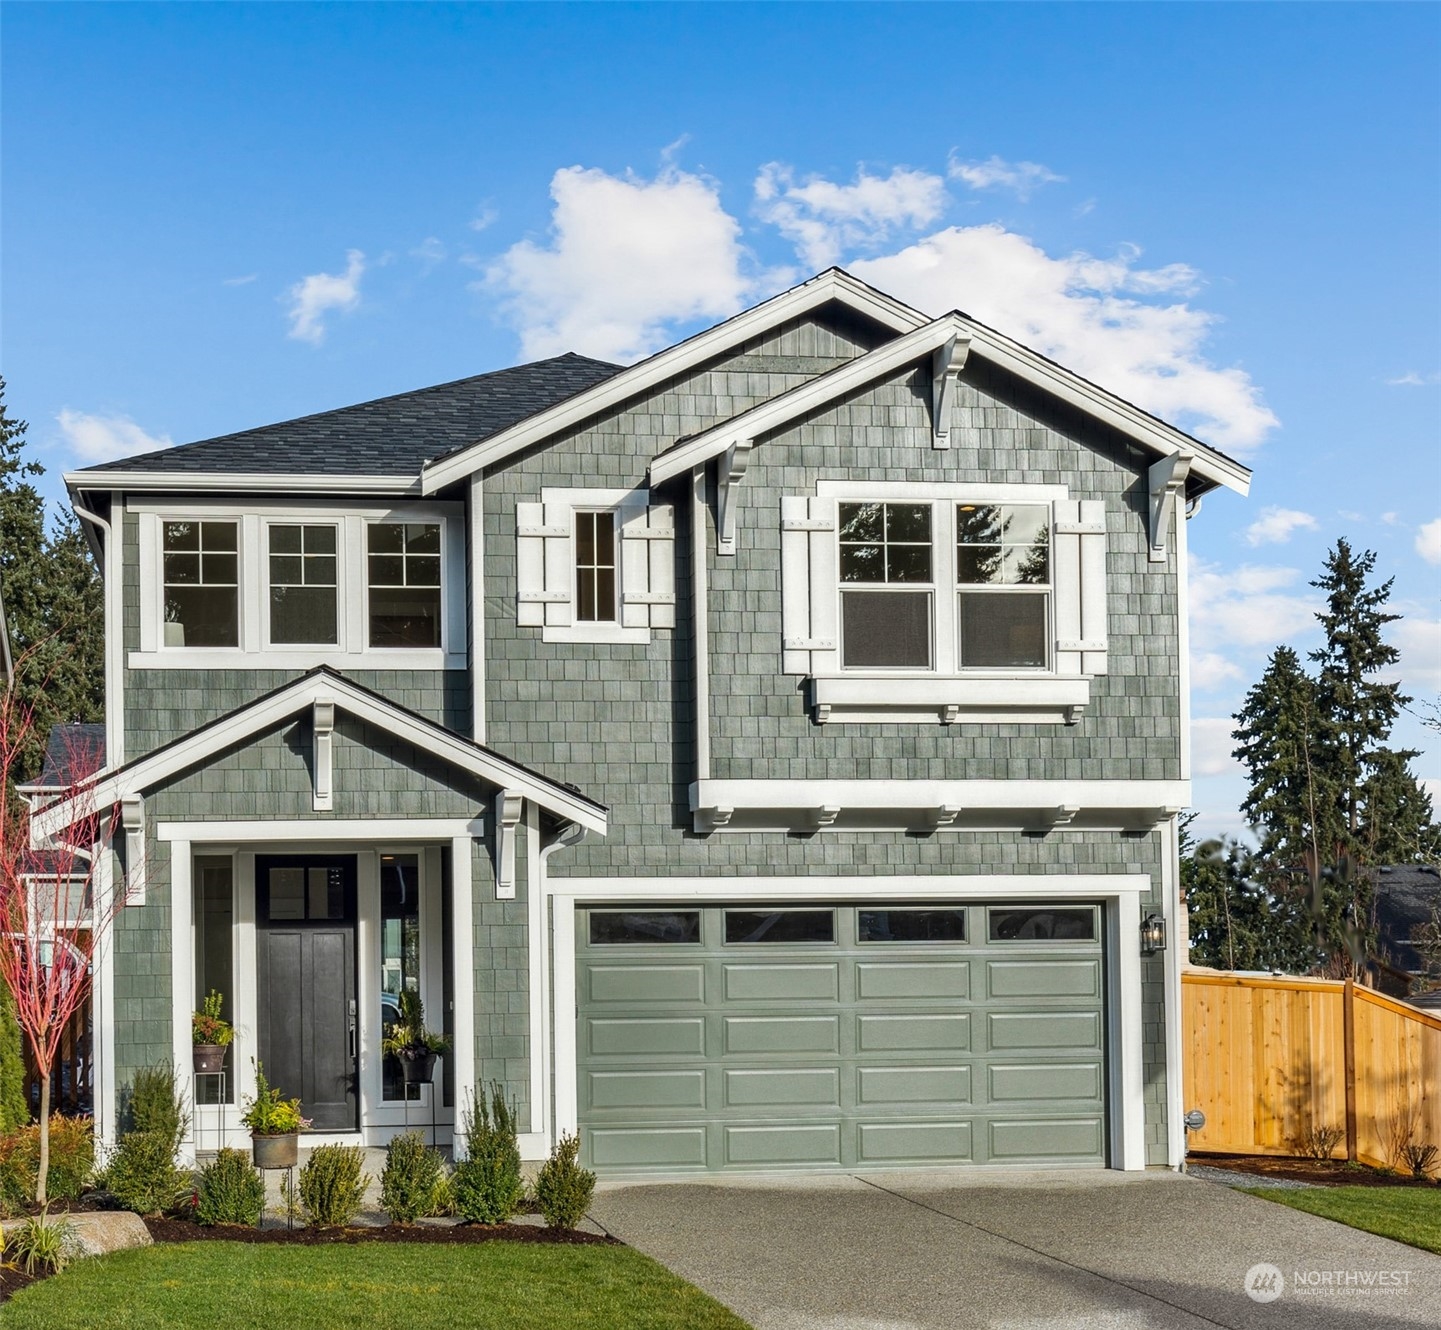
column 72, row 752
column 1405, row 894
column 391, row 436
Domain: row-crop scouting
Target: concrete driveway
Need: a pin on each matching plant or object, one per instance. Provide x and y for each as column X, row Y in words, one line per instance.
column 893, row 1251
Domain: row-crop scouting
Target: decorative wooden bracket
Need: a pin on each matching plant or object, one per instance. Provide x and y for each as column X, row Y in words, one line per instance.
column 508, row 807
column 945, row 816
column 731, row 472
column 1063, row 816
column 825, row 815
column 323, row 767
column 1167, row 479
column 132, row 822
column 1147, row 819
column 946, row 364
column 716, row 818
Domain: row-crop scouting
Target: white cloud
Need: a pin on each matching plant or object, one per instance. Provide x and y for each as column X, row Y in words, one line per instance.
column 1211, row 745
column 1428, row 541
column 1210, row 670
column 1276, row 526
column 313, row 297
column 431, row 251
column 485, row 215
column 1411, row 379
column 626, row 257
column 1096, row 316
column 1246, row 607
column 240, row 281
column 1021, row 178
column 97, row 438
column 1419, row 642
column 823, row 220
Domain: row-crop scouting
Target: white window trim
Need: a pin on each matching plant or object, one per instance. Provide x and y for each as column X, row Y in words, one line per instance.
column 945, row 694
column 256, row 651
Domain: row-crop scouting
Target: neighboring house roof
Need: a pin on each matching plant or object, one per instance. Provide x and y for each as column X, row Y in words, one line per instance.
column 73, row 753
column 321, row 684
column 391, row 436
column 1405, row 895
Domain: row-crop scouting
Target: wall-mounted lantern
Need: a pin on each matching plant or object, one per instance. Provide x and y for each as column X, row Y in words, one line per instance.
column 1153, row 935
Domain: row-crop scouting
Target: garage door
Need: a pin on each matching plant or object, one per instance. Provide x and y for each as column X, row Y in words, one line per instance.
column 752, row 1037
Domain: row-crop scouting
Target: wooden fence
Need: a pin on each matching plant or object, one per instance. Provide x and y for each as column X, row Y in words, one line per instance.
column 1267, row 1059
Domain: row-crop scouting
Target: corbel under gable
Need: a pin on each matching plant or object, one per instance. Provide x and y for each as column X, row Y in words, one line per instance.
column 132, row 823
column 322, row 713
column 731, row 472
column 1167, row 479
column 946, row 364
column 508, row 807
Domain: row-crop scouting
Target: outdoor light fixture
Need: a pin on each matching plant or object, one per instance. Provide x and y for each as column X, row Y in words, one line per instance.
column 1153, row 935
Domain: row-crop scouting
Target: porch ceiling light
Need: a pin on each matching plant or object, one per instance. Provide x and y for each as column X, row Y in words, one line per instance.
column 1153, row 934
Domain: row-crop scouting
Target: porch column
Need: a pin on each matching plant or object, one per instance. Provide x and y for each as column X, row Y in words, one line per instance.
column 462, row 942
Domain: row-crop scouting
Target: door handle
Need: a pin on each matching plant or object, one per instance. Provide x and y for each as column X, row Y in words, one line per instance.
column 354, row 1032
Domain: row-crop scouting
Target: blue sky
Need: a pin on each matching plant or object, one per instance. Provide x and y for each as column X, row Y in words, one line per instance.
column 222, row 215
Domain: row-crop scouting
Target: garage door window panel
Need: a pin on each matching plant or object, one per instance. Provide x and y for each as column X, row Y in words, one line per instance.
column 780, row 926
column 911, row 925
column 1044, row 924
column 644, row 927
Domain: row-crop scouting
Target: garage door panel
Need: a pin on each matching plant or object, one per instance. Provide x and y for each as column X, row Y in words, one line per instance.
column 914, row 1142
column 815, row 1087
column 1043, row 979
column 761, row 983
column 784, row 1143
column 1025, row 1139
column 654, row 1147
column 1044, row 1029
column 1044, row 1081
column 924, row 980
column 681, row 1088
column 781, row 1034
column 638, row 984
column 913, row 1085
column 914, row 1033
column 655, row 1037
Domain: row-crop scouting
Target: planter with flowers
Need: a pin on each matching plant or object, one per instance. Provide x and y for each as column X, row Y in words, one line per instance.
column 275, row 1125
column 210, row 1034
column 407, row 1040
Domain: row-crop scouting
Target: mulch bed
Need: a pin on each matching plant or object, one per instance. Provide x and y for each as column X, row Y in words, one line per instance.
column 185, row 1230
column 1320, row 1172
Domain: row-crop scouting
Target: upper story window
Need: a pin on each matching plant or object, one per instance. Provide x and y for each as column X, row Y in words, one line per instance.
column 271, row 585
column 595, row 567
column 304, row 573
column 943, row 602
column 201, row 584
column 403, row 567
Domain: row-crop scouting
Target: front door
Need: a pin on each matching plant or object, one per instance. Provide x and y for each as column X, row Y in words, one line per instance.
column 305, row 961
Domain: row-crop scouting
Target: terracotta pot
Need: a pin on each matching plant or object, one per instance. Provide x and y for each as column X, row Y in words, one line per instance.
column 416, row 1067
column 276, row 1151
column 208, row 1057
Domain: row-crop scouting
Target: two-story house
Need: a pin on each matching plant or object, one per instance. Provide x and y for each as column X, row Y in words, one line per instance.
column 763, row 756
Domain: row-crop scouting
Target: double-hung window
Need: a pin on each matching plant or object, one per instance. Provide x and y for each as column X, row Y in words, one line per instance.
column 403, row 566
column 200, row 563
column 1003, row 585
column 303, row 584
column 887, row 585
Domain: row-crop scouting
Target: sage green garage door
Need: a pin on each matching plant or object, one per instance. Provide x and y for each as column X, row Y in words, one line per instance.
column 752, row 1037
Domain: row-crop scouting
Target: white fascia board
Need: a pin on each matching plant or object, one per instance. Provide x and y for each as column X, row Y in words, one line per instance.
column 271, row 711
column 1145, row 429
column 781, row 410
column 1086, row 795
column 930, row 886
column 833, row 285
column 367, row 831
column 238, row 482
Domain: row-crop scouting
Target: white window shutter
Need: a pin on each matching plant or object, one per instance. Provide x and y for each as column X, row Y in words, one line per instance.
column 1093, row 586
column 559, row 565
column 661, row 544
column 529, row 565
column 634, row 566
column 825, row 592
column 1066, row 584
column 808, row 584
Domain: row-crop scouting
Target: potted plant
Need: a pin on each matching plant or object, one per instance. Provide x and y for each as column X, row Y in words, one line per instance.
column 274, row 1123
column 209, row 1034
column 408, row 1040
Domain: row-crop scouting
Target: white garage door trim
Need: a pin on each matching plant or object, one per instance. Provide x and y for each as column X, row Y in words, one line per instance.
column 1121, row 893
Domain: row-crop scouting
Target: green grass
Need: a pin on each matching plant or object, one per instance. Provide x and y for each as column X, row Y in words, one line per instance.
column 488, row 1286
column 1408, row 1214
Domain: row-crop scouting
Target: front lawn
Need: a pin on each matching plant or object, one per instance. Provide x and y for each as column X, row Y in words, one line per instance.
column 1408, row 1214
column 493, row 1286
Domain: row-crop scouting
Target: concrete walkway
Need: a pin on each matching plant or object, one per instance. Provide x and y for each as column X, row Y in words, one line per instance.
column 1019, row 1252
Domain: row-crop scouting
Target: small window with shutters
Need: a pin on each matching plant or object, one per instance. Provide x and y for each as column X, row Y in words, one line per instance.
column 943, row 603
column 595, row 565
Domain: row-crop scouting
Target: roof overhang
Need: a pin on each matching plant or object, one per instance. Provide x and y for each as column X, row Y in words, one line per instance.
column 322, row 686
column 832, row 286
column 238, row 482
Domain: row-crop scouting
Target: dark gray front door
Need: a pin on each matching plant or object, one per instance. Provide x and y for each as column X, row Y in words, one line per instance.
column 305, row 959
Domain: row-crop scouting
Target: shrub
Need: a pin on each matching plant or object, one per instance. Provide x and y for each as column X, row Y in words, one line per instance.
column 1420, row 1158
column 410, row 1183
column 332, row 1185
column 562, row 1187
column 487, row 1184
column 14, row 1109
column 1319, row 1142
column 230, row 1190
column 72, row 1161
column 142, row 1175
column 41, row 1244
column 155, row 1104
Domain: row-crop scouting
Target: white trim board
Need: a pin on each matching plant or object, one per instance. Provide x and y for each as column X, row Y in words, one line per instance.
column 363, row 831
column 267, row 712
column 832, row 285
column 235, row 482
column 935, row 886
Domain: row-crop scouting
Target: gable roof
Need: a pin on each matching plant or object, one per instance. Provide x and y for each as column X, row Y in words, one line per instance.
column 73, row 753
column 1405, row 895
column 387, row 439
column 832, row 286
column 321, row 684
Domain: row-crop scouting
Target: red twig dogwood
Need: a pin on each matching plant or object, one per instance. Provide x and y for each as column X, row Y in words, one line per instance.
column 52, row 918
